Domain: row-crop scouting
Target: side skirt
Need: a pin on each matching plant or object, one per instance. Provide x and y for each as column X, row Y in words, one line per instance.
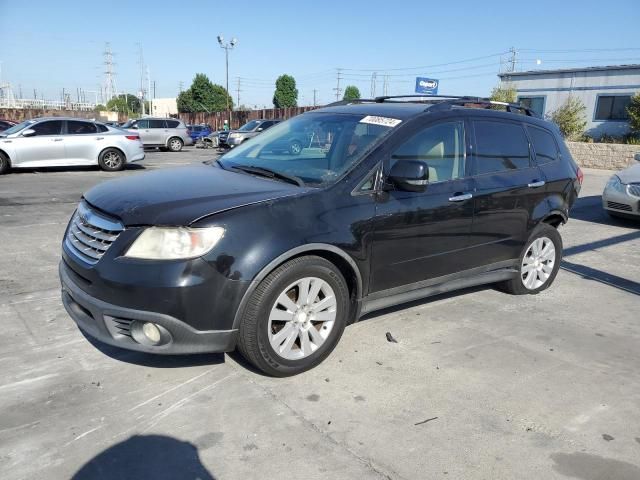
column 469, row 278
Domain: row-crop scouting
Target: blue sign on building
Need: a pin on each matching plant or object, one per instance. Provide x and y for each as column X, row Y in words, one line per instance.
column 427, row 85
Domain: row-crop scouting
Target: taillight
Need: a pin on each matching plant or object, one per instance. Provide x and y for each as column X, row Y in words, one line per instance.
column 580, row 176
column 132, row 137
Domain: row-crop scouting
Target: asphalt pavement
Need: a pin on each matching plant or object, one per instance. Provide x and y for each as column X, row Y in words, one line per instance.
column 481, row 385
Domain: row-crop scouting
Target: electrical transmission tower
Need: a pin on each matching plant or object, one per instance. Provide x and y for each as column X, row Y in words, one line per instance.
column 142, row 89
column 385, row 86
column 109, row 87
column 373, row 84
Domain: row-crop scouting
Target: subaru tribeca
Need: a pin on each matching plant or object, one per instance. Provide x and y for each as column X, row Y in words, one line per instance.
column 274, row 254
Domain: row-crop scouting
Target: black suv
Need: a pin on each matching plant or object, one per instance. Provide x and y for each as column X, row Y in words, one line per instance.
column 276, row 253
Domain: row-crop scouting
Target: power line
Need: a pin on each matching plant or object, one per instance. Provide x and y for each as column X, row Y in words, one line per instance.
column 493, row 55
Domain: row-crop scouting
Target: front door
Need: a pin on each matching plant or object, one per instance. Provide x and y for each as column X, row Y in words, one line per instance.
column 423, row 235
column 45, row 148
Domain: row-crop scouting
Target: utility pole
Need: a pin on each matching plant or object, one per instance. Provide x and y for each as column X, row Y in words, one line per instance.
column 385, row 85
column 141, row 63
column 154, row 89
column 180, row 86
column 314, row 96
column 512, row 59
column 227, row 47
column 238, row 92
column 149, row 92
column 35, row 94
column 338, row 90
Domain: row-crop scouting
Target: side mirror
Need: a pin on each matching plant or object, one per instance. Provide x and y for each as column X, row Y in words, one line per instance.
column 29, row 132
column 410, row 175
column 637, row 157
column 260, row 129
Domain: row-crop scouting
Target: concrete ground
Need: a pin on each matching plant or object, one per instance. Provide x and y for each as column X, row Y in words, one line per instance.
column 481, row 385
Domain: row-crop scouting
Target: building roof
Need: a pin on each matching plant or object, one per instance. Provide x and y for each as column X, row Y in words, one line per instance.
column 605, row 68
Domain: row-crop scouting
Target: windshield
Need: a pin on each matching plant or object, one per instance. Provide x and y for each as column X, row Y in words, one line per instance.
column 18, row 127
column 247, row 127
column 315, row 147
column 128, row 124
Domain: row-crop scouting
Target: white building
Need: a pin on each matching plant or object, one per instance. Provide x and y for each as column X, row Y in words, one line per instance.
column 605, row 92
column 164, row 107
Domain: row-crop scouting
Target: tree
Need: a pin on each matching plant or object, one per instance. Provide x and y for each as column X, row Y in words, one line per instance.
column 124, row 103
column 286, row 94
column 570, row 118
column 506, row 94
column 204, row 96
column 351, row 93
column 634, row 113
column 100, row 108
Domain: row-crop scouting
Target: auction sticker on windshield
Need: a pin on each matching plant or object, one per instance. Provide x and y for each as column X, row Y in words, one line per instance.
column 384, row 121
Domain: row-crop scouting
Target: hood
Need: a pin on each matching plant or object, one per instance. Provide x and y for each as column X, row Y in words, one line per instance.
column 630, row 175
column 179, row 196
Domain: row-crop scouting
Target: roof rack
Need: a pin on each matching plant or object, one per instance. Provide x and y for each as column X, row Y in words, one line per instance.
column 449, row 101
column 351, row 102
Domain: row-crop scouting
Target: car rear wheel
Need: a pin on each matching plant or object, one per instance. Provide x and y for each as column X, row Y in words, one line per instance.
column 538, row 264
column 295, row 317
column 111, row 160
column 295, row 148
column 4, row 163
column 175, row 144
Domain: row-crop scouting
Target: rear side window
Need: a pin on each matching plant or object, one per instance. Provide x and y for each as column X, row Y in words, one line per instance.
column 156, row 124
column 172, row 123
column 75, row 127
column 500, row 147
column 51, row 127
column 544, row 145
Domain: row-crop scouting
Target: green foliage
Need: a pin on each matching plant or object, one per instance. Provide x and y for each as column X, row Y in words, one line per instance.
column 570, row 118
column 351, row 93
column 124, row 103
column 204, row 96
column 286, row 94
column 100, row 108
column 506, row 94
column 634, row 113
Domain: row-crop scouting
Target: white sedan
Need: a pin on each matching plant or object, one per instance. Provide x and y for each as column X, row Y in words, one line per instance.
column 56, row 142
column 621, row 196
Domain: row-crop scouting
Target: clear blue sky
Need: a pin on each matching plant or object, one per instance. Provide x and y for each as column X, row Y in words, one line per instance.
column 50, row 45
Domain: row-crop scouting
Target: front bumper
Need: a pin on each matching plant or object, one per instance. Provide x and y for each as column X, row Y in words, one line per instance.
column 620, row 203
column 137, row 157
column 233, row 142
column 118, row 326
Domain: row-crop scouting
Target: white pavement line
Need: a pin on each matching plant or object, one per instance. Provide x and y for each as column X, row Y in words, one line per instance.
column 16, row 302
column 81, row 436
column 170, row 390
column 35, row 225
column 28, row 381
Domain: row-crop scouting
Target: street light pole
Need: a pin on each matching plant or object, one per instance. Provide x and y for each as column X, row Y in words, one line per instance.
column 227, row 47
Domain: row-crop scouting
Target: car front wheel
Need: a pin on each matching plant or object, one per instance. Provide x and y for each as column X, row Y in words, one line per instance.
column 295, row 317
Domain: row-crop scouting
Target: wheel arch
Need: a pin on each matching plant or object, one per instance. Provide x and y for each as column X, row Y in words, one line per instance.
column 6, row 154
column 333, row 254
column 555, row 218
column 166, row 143
column 111, row 147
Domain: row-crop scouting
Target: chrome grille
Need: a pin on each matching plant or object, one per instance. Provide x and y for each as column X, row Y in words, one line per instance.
column 634, row 189
column 90, row 234
column 619, row 206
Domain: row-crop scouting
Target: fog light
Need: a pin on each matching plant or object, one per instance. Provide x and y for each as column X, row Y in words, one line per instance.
column 151, row 331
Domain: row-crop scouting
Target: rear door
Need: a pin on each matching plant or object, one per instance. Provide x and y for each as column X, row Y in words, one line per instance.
column 45, row 148
column 157, row 132
column 509, row 188
column 82, row 142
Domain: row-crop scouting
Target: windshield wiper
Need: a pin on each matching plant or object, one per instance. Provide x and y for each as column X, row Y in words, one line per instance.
column 266, row 172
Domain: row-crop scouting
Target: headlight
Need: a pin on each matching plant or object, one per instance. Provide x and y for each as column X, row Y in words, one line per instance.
column 234, row 135
column 159, row 243
column 614, row 183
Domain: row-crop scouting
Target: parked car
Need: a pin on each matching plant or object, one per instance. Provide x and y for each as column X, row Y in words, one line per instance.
column 275, row 254
column 54, row 142
column 199, row 131
column 169, row 133
column 621, row 196
column 5, row 124
column 112, row 124
column 250, row 129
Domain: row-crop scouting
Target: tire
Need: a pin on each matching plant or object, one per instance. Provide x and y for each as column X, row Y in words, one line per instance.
column 175, row 144
column 5, row 164
column 268, row 324
column 539, row 277
column 111, row 160
column 295, row 147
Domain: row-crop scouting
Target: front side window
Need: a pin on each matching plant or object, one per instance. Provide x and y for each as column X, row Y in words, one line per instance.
column 142, row 123
column 534, row 103
column 50, row 127
column 612, row 107
column 500, row 146
column 75, row 127
column 544, row 145
column 316, row 147
column 441, row 146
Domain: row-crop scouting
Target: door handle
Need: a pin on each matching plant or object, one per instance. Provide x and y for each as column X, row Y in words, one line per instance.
column 57, row 139
column 461, row 198
column 536, row 184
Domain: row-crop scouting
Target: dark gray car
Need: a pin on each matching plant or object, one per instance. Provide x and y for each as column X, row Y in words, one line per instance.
column 248, row 130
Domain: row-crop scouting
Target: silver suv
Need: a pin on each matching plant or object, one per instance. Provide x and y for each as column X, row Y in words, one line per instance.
column 169, row 133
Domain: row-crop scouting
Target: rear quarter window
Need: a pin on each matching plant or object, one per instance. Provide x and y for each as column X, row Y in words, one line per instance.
column 544, row 145
column 173, row 124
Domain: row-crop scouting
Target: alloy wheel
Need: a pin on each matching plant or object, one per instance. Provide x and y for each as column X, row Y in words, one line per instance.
column 112, row 160
column 302, row 318
column 175, row 145
column 538, row 263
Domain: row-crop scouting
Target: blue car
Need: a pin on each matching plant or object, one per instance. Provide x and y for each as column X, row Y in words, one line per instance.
column 199, row 131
